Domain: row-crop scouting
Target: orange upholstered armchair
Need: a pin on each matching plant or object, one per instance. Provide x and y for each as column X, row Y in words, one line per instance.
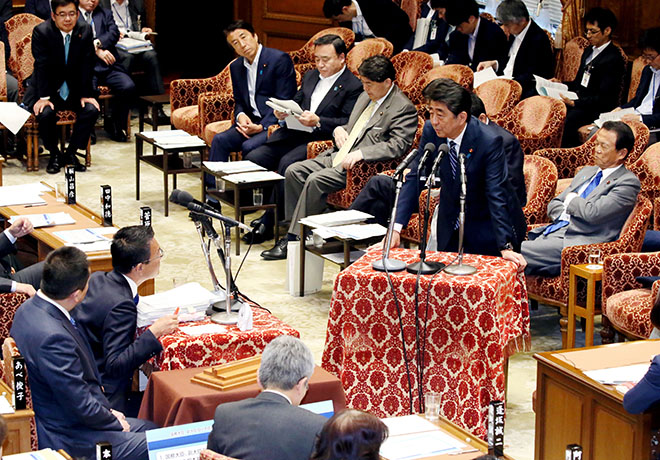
column 636, row 74
column 570, row 62
column 647, row 169
column 413, row 231
column 367, row 48
column 537, row 122
column 18, row 26
column 208, row 454
column 459, row 73
column 554, row 290
column 499, row 96
column 410, row 70
column 303, row 58
column 540, row 182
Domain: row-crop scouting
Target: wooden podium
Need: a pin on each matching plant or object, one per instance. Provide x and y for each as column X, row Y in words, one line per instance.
column 571, row 408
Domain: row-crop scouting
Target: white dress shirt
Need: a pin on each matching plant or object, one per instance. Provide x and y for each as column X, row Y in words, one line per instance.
column 596, row 52
column 321, row 90
column 359, row 24
column 131, row 283
column 121, row 15
column 252, row 79
column 646, row 107
column 472, row 39
column 513, row 51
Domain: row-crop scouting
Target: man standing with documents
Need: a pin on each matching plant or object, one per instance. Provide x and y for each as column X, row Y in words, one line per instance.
column 109, row 315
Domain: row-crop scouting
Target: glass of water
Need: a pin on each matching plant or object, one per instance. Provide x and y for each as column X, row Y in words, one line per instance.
column 258, row 196
column 432, row 406
column 594, row 257
column 60, row 192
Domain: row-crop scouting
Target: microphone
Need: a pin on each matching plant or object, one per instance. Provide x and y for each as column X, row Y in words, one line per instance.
column 428, row 150
column 461, row 161
column 404, row 164
column 444, row 148
column 185, row 199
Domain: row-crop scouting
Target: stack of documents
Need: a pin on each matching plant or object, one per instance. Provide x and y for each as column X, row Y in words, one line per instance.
column 232, row 167
column 43, row 454
column 12, row 195
column 351, row 231
column 618, row 375
column 291, row 108
column 614, row 116
column 88, row 239
column 174, row 138
column 134, row 45
column 332, row 219
column 553, row 89
column 191, row 299
column 255, row 176
column 485, row 75
column 46, row 220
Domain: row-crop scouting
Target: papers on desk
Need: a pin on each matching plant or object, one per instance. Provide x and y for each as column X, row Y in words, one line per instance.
column 88, row 239
column 553, row 89
column 618, row 375
column 255, row 176
column 332, row 219
column 181, row 442
column 421, row 32
column 191, row 299
column 408, row 424
column 174, row 138
column 46, row 220
column 614, row 116
column 43, row 454
column 421, row 445
column 12, row 195
column 485, row 75
column 13, row 116
column 232, row 167
column 351, row 231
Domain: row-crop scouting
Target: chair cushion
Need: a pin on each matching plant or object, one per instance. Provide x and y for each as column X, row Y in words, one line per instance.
column 187, row 119
column 214, row 128
column 630, row 311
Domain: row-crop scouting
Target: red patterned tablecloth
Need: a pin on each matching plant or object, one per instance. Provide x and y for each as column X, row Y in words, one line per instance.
column 181, row 351
column 474, row 323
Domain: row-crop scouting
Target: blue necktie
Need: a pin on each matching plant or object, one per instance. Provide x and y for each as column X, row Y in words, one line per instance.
column 73, row 322
column 453, row 158
column 64, row 89
column 563, row 223
column 136, row 299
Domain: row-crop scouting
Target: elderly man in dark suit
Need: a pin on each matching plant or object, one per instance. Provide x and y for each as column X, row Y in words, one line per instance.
column 109, row 315
column 381, row 127
column 475, row 39
column 63, row 51
column 71, row 411
column 26, row 280
column 258, row 74
column 271, row 422
column 530, row 50
column 327, row 97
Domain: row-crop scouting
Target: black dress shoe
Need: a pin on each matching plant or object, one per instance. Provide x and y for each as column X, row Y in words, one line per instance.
column 260, row 234
column 119, row 135
column 72, row 159
column 278, row 252
column 53, row 164
column 163, row 119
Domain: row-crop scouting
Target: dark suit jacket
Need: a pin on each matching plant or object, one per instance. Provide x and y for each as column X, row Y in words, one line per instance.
column 107, row 33
column 50, row 70
column 39, row 8
column 386, row 20
column 493, row 216
column 109, row 316
column 275, row 78
column 602, row 94
column 653, row 120
column 437, row 44
column 515, row 159
column 71, row 410
column 647, row 391
column 535, row 57
column 334, row 109
column 250, row 428
column 135, row 10
column 6, row 248
column 491, row 45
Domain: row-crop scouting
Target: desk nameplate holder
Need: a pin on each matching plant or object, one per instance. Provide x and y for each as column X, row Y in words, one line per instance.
column 231, row 375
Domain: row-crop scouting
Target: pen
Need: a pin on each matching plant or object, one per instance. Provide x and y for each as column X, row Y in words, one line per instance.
column 176, row 312
column 35, row 205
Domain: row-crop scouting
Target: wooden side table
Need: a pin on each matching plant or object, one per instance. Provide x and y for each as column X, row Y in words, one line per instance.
column 154, row 103
column 592, row 275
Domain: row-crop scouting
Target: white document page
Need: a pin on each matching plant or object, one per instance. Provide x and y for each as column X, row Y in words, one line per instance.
column 13, row 116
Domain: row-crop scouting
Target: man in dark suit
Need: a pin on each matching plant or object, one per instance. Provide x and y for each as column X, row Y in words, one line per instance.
column 371, row 18
column 258, row 74
column 327, row 97
column 107, row 70
column 593, row 208
column 599, row 80
column 71, row 410
column 40, row 8
column 377, row 197
column 646, row 392
column 26, row 280
column 530, row 50
column 436, row 38
column 63, row 51
column 271, row 422
column 381, row 127
column 109, row 315
column 475, row 39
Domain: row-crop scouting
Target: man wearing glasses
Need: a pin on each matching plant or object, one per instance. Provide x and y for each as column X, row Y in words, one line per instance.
column 109, row 315
column 599, row 78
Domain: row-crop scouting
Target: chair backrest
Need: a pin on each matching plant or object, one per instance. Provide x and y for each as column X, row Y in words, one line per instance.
column 3, row 75
column 540, row 182
column 572, row 55
column 647, row 169
column 642, row 134
column 461, row 74
column 208, row 454
column 24, row 62
column 633, row 230
column 413, row 8
column 9, row 303
column 499, row 96
column 305, row 55
column 367, row 48
column 17, row 27
column 537, row 122
column 410, row 69
column 636, row 74
column 621, row 97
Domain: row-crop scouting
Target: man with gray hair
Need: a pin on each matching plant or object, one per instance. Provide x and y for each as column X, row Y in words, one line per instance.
column 530, row 50
column 271, row 422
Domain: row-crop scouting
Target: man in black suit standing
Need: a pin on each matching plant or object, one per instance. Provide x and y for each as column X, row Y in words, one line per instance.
column 63, row 51
column 327, row 97
column 107, row 70
column 109, row 315
column 271, row 422
column 475, row 39
column 598, row 82
column 26, row 280
column 530, row 50
column 371, row 18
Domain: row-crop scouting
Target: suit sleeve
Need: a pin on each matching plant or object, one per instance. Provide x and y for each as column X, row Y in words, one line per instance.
column 123, row 354
column 457, row 51
column 620, row 199
column 328, row 124
column 40, row 52
column 646, row 392
column 496, row 193
column 285, row 88
column 111, row 35
column 642, row 89
column 88, row 59
column 515, row 159
column 397, row 135
column 65, row 375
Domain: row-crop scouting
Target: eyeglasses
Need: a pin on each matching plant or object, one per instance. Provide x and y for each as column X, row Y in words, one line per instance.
column 650, row 57
column 70, row 14
column 160, row 255
column 589, row 32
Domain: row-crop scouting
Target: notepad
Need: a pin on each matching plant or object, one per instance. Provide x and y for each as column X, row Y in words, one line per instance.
column 46, row 219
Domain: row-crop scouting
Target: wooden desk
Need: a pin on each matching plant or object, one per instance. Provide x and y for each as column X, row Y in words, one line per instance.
column 45, row 240
column 587, row 312
column 571, row 408
column 18, row 426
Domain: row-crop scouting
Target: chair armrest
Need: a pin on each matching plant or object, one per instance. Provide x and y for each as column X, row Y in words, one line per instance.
column 185, row 92
column 656, row 214
column 620, row 271
column 215, row 107
column 315, row 148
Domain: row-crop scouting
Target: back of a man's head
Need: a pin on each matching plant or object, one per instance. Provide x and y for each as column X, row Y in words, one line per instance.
column 131, row 246
column 285, row 361
column 459, row 11
column 512, row 11
column 65, row 271
column 377, row 68
column 350, row 435
column 650, row 40
column 332, row 8
column 477, row 107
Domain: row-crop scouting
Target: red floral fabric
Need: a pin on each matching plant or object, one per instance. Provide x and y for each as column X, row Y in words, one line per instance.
column 367, row 48
column 474, row 324
column 540, row 182
column 461, row 74
column 537, row 122
column 499, row 97
column 410, row 70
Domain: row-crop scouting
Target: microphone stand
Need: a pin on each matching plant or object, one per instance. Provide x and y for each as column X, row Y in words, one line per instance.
column 461, row 269
column 387, row 264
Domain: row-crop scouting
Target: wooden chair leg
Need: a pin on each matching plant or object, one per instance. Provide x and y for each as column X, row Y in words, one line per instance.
column 607, row 331
column 88, row 153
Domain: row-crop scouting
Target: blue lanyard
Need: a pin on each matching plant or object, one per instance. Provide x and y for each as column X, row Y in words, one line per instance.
column 123, row 21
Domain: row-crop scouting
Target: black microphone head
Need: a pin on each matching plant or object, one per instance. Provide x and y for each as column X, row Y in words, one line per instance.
column 444, row 148
column 430, row 147
column 174, row 196
column 185, row 197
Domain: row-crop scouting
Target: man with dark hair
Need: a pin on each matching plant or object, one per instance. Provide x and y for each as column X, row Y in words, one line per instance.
column 371, row 18
column 109, row 315
column 26, row 280
column 382, row 126
column 327, row 97
column 258, row 74
column 530, row 50
column 475, row 40
column 592, row 209
column 63, row 51
column 598, row 82
column 71, row 411
column 271, row 422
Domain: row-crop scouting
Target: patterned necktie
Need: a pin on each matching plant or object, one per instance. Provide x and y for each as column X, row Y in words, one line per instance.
column 64, row 89
column 73, row 322
column 355, row 132
column 453, row 158
column 563, row 223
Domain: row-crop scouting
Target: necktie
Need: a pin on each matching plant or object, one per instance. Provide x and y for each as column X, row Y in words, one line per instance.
column 453, row 158
column 136, row 299
column 90, row 21
column 563, row 223
column 73, row 322
column 355, row 132
column 64, row 89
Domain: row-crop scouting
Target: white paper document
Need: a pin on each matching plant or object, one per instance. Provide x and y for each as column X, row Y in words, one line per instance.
column 255, row 176
column 331, row 219
column 485, row 75
column 5, row 407
column 290, row 107
column 13, row 116
column 553, row 89
column 613, row 116
column 293, row 123
column 135, row 44
column 12, row 195
column 211, row 328
column 174, row 138
column 617, row 375
column 408, row 424
column 46, row 220
column 84, row 235
column 421, row 32
column 231, row 167
column 43, row 454
column 351, row 231
column 420, row 445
